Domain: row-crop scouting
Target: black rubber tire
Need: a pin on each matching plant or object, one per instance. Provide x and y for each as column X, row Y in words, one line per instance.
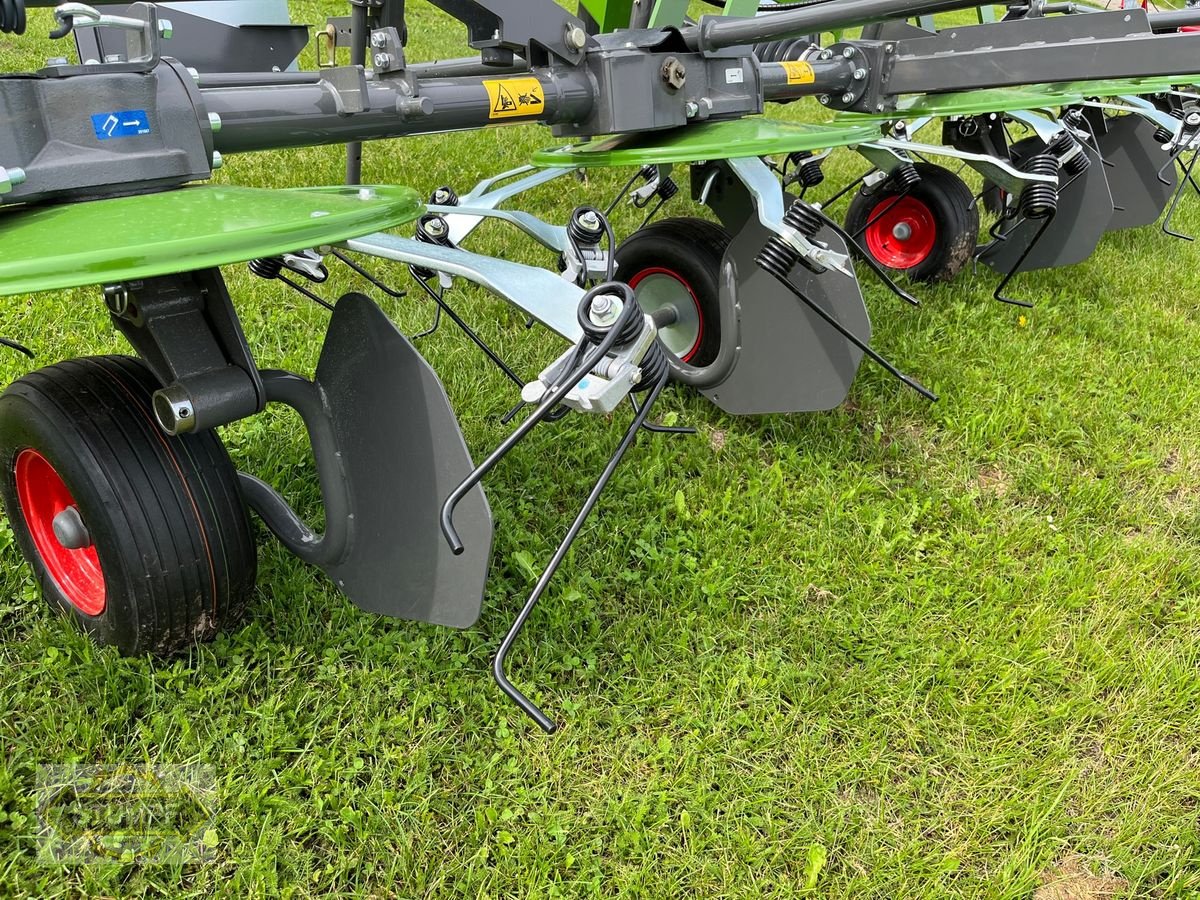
column 952, row 206
column 165, row 515
column 691, row 248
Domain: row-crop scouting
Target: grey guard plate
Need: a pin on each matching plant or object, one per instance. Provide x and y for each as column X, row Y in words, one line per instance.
column 1133, row 159
column 1085, row 207
column 403, row 454
column 789, row 359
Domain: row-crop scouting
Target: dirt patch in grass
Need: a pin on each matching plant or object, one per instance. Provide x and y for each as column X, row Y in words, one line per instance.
column 993, row 480
column 1071, row 878
column 716, row 440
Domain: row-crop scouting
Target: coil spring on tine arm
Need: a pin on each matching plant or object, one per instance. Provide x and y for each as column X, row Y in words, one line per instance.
column 808, row 172
column 904, row 176
column 266, row 266
column 1062, row 144
column 431, row 229
column 1040, row 199
column 444, row 196
column 1161, row 134
column 653, row 365
column 12, row 16
column 777, row 255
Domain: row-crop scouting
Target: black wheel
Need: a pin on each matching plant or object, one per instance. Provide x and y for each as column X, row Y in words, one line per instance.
column 929, row 233
column 674, row 268
column 142, row 538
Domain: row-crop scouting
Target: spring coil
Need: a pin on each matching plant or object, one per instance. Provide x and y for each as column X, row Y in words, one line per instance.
column 1062, row 144
column 444, row 196
column 778, row 256
column 583, row 234
column 786, row 50
column 666, row 189
column 1161, row 134
column 904, row 176
column 12, row 16
column 424, row 235
column 1040, row 200
column 267, row 267
column 808, row 170
column 629, row 324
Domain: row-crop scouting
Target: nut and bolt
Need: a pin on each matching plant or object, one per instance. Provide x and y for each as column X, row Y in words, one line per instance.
column 10, row 178
column 691, row 109
column 860, row 73
column 576, row 37
column 848, row 53
column 589, row 220
column 824, row 98
column 441, row 196
column 826, row 54
column 605, row 309
column 1193, row 119
column 383, row 60
column 378, row 39
column 847, row 97
column 435, row 226
column 674, row 73
column 217, row 160
column 214, row 123
column 165, row 29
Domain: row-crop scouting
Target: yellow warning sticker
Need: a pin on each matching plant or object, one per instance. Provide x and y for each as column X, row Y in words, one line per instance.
column 515, row 97
column 799, row 72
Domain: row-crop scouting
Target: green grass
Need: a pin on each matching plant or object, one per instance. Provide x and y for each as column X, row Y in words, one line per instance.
column 893, row 650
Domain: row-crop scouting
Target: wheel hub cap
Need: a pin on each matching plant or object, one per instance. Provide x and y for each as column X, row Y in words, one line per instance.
column 58, row 532
column 663, row 289
column 902, row 232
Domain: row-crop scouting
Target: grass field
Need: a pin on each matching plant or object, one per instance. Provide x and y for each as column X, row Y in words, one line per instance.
column 894, row 650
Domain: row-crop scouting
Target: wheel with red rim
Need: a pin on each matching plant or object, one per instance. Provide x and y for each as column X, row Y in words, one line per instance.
column 142, row 538
column 928, row 232
column 674, row 268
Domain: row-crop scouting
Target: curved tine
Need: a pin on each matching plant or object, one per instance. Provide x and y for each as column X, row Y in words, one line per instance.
column 514, row 693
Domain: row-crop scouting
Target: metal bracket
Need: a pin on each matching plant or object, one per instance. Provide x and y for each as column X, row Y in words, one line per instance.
column 186, row 329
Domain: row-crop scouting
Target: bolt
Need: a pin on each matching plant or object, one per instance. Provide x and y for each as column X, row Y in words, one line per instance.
column 902, row 231
column 440, row 196
column 674, row 73
column 576, row 37
column 589, row 220
column 10, row 178
column 824, row 98
column 847, row 97
column 165, row 29
column 1193, row 119
column 383, row 60
column 214, row 123
column 860, row 73
column 826, row 54
column 848, row 53
column 691, row 109
column 435, row 226
column 217, row 161
column 378, row 39
column 889, row 48
column 605, row 309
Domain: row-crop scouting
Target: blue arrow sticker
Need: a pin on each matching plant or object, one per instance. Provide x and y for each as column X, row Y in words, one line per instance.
column 129, row 123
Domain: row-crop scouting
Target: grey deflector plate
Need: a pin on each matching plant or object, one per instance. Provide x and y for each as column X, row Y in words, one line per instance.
column 403, row 453
column 789, row 359
column 1133, row 158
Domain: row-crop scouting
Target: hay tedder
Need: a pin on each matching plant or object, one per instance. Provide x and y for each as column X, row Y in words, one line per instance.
column 119, row 491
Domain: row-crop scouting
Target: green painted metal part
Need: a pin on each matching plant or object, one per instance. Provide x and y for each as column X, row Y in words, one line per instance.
column 752, row 136
column 609, row 14
column 66, row 245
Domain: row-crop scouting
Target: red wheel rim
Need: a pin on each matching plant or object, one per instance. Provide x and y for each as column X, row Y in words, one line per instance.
column 902, row 232
column 683, row 282
column 42, row 495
